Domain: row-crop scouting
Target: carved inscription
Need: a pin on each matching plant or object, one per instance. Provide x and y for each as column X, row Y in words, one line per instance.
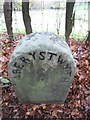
column 41, row 68
column 41, row 56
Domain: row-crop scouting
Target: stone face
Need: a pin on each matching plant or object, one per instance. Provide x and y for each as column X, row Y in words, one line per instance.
column 41, row 68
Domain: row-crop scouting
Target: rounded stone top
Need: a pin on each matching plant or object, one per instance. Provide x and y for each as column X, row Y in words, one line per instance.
column 41, row 68
column 42, row 41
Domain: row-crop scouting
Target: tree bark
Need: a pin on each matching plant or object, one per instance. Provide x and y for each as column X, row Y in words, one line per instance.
column 26, row 17
column 88, row 38
column 7, row 6
column 70, row 17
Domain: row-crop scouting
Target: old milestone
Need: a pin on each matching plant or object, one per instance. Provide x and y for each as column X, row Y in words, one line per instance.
column 41, row 68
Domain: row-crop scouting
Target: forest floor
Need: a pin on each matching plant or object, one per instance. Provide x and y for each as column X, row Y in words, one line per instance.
column 77, row 103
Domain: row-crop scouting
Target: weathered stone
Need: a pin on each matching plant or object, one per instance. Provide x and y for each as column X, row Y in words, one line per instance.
column 41, row 68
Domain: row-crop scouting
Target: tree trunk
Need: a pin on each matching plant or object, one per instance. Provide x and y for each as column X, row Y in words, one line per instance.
column 70, row 17
column 88, row 38
column 26, row 17
column 7, row 6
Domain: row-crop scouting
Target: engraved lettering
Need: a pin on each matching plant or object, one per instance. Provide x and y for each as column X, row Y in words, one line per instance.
column 25, row 60
column 62, row 61
column 59, row 58
column 67, row 66
column 51, row 55
column 33, row 55
column 18, row 66
column 42, row 55
column 69, row 72
column 16, row 71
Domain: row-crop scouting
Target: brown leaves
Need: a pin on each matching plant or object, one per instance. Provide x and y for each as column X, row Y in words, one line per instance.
column 78, row 99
